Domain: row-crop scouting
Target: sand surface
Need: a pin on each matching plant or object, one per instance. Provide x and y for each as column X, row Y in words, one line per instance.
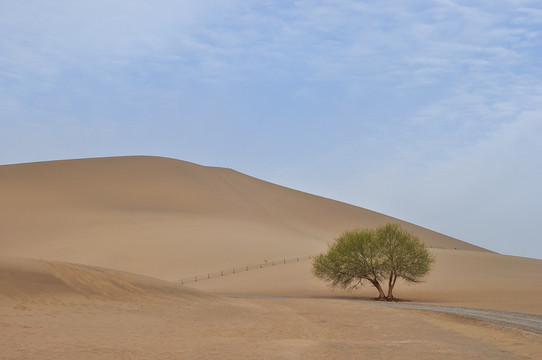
column 74, row 311
column 90, row 252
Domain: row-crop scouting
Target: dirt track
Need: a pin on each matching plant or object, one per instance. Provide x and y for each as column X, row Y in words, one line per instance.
column 527, row 322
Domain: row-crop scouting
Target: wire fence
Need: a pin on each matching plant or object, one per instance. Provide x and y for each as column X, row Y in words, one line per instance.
column 236, row 270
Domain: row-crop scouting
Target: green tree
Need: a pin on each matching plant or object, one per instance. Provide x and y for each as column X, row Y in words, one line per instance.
column 385, row 253
column 405, row 256
column 353, row 258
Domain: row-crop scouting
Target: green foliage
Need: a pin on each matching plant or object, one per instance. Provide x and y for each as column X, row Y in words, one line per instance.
column 387, row 252
column 352, row 258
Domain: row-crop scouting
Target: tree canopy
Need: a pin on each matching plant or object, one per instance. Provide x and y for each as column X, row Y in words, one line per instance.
column 374, row 255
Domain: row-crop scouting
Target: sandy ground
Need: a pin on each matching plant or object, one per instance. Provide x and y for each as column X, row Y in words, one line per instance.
column 93, row 224
column 51, row 310
column 268, row 329
column 89, row 313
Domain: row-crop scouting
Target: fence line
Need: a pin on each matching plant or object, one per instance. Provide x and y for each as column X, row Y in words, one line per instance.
column 235, row 270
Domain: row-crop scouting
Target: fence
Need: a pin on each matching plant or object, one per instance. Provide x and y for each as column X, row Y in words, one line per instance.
column 236, row 270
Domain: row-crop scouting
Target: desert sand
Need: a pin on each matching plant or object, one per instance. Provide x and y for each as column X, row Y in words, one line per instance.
column 91, row 252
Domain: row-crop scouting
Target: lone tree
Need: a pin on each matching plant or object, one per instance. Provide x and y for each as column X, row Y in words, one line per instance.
column 386, row 253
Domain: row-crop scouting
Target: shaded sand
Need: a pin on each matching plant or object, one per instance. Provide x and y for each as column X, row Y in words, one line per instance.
column 60, row 310
column 166, row 219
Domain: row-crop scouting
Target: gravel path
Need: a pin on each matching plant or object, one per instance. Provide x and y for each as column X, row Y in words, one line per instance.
column 527, row 322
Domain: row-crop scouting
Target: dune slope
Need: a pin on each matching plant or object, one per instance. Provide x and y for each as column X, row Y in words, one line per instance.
column 164, row 217
column 27, row 281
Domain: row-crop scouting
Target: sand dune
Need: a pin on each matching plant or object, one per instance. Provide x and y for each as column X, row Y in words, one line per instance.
column 163, row 217
column 169, row 219
column 35, row 281
column 87, row 248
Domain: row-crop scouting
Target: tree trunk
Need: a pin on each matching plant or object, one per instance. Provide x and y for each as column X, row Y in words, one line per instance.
column 381, row 295
column 391, row 284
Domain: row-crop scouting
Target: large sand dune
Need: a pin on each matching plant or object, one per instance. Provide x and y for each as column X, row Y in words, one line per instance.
column 165, row 218
column 88, row 247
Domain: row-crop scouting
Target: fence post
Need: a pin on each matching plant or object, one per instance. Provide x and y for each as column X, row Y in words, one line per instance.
column 247, row 267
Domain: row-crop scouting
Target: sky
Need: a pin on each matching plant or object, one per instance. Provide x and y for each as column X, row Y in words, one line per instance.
column 428, row 111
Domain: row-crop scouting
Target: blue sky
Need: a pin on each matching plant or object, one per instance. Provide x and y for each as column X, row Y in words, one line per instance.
column 429, row 111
